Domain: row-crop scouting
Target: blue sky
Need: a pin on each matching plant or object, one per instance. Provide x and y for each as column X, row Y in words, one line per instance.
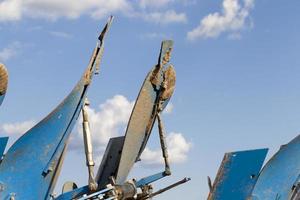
column 237, row 69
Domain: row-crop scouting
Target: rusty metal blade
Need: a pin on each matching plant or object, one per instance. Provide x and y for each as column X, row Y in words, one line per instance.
column 237, row 175
column 144, row 114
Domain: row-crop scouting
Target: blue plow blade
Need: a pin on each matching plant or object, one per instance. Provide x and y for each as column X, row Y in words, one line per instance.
column 31, row 166
column 279, row 177
column 237, row 175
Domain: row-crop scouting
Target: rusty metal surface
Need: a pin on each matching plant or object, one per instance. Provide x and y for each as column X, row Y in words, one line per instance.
column 143, row 115
column 3, row 82
column 279, row 176
column 160, row 103
column 3, row 79
column 169, row 83
column 237, row 175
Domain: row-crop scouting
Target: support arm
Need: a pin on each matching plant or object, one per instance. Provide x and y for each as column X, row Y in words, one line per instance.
column 88, row 147
column 163, row 144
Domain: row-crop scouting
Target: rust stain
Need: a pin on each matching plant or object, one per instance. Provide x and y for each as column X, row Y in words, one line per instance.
column 167, row 56
column 87, row 77
column 156, row 74
column 3, row 79
column 169, row 83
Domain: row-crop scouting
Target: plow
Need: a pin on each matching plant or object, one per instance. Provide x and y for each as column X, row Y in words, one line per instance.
column 29, row 169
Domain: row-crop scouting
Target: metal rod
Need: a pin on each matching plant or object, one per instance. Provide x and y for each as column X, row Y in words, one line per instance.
column 163, row 144
column 166, row 188
column 88, row 147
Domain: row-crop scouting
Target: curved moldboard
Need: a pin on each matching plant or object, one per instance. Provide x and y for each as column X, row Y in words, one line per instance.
column 279, row 174
column 143, row 116
column 31, row 166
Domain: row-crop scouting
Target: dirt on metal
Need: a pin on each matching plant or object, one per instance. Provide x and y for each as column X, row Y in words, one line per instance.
column 167, row 56
column 3, row 79
column 169, row 83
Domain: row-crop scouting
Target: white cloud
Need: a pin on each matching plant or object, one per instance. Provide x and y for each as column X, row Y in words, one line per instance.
column 53, row 9
column 10, row 10
column 10, row 51
column 17, row 128
column 166, row 17
column 178, row 147
column 109, row 121
column 13, row 10
column 233, row 18
column 164, row 3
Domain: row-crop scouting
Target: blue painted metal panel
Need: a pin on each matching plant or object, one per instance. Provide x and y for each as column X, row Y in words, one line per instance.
column 150, row 179
column 1, row 98
column 3, row 143
column 237, row 175
column 33, row 159
column 279, row 174
column 31, row 166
